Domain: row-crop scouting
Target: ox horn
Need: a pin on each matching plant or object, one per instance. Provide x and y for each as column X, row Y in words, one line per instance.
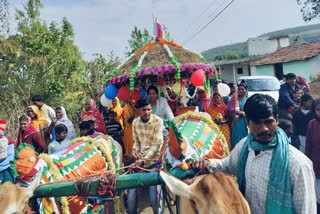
column 177, row 186
column 35, row 183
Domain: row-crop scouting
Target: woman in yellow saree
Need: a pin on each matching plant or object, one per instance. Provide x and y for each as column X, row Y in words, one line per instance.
column 128, row 116
column 116, row 107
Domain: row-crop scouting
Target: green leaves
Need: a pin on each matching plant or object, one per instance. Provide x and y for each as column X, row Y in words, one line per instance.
column 310, row 9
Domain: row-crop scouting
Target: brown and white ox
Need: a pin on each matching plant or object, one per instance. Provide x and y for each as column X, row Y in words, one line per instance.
column 14, row 198
column 215, row 193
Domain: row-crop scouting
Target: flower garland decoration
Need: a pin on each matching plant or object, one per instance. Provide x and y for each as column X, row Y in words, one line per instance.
column 108, row 157
column 207, row 84
column 177, row 96
column 132, row 75
column 81, row 139
column 117, row 205
column 135, row 70
column 212, row 125
column 174, row 61
column 58, row 177
column 116, row 70
column 191, row 96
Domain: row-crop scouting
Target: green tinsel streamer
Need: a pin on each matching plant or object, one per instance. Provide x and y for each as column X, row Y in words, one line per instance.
column 132, row 75
column 177, row 65
column 207, row 83
column 114, row 72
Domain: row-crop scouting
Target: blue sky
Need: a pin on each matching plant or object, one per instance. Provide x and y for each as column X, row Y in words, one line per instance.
column 102, row 26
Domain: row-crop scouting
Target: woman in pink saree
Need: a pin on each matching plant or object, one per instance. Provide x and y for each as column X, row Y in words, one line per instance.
column 90, row 112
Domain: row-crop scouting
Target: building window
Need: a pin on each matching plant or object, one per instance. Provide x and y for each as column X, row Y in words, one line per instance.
column 239, row 70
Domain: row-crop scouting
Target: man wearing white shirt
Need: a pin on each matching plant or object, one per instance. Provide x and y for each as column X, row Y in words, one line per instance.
column 273, row 176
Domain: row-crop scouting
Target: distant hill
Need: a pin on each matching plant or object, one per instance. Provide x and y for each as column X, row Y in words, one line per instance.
column 293, row 31
column 297, row 35
column 239, row 48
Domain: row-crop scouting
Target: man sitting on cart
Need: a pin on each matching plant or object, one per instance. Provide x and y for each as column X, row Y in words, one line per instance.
column 147, row 139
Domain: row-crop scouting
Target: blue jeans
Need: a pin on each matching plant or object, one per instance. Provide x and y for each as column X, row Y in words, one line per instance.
column 132, row 200
column 132, row 197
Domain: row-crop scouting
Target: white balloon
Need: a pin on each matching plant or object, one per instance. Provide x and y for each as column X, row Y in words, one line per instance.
column 224, row 89
column 105, row 101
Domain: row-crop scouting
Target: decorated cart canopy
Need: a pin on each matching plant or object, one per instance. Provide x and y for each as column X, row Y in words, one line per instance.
column 163, row 59
column 161, row 63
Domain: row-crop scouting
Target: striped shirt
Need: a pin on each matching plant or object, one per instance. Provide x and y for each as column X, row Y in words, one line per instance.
column 147, row 137
column 302, row 178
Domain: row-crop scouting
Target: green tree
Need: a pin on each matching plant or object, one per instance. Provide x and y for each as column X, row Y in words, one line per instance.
column 229, row 55
column 140, row 38
column 4, row 17
column 40, row 59
column 97, row 71
column 310, row 9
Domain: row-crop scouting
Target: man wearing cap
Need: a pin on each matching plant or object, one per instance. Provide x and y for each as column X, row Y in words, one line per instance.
column 147, row 139
column 286, row 94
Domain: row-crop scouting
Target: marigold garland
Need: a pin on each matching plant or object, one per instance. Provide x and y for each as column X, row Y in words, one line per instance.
column 57, row 177
column 108, row 156
column 116, row 205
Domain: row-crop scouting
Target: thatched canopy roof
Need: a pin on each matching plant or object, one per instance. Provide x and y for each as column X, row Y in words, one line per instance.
column 157, row 61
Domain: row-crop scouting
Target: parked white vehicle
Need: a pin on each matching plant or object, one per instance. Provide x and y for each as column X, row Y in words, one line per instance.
column 261, row 85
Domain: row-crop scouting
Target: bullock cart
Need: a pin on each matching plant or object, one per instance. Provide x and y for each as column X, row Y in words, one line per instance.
column 88, row 172
column 192, row 136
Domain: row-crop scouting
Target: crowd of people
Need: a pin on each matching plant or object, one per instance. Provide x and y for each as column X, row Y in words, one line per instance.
column 250, row 126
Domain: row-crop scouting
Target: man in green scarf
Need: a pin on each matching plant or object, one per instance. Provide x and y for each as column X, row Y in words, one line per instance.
column 272, row 175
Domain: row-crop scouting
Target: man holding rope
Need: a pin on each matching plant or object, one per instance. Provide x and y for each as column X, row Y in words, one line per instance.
column 147, row 139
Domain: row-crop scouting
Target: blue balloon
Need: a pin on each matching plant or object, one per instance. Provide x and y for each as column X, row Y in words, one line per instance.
column 143, row 92
column 111, row 91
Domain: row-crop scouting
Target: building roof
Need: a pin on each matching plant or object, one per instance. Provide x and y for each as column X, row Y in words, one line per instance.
column 291, row 53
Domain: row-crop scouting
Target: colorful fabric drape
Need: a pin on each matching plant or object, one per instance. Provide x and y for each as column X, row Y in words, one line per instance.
column 118, row 109
column 94, row 114
column 86, row 156
column 214, row 110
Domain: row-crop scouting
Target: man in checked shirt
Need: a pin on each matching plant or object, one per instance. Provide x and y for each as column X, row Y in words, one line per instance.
column 147, row 139
column 273, row 176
